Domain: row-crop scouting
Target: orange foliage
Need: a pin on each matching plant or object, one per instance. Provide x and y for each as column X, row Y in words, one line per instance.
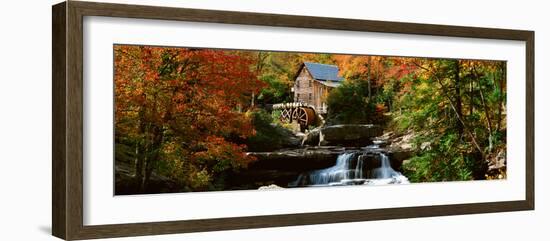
column 190, row 96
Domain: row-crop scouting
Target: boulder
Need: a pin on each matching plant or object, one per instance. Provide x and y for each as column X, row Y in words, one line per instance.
column 399, row 155
column 348, row 135
column 311, row 138
column 283, row 166
column 273, row 137
column 305, row 159
column 253, row 179
column 292, row 141
column 372, row 161
column 396, row 156
column 405, row 141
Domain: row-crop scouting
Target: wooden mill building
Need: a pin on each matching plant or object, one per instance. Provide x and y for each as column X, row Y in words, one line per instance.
column 313, row 83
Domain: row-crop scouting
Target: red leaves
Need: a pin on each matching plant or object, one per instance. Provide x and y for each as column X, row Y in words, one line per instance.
column 381, row 108
column 192, row 94
column 223, row 154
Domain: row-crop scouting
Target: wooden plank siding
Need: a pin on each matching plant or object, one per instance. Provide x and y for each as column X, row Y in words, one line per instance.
column 310, row 91
column 303, row 87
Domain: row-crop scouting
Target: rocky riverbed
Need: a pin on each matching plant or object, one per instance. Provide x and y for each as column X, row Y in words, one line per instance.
column 364, row 146
column 337, row 155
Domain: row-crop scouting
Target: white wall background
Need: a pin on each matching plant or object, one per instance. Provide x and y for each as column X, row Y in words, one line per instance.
column 25, row 120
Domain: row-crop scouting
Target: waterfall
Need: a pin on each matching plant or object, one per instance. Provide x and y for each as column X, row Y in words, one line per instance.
column 385, row 170
column 359, row 168
column 349, row 170
column 337, row 173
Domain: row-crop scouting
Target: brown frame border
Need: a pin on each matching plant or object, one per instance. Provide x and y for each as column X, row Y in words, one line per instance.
column 67, row 121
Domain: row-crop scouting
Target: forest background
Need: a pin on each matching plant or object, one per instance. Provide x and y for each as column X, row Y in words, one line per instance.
column 192, row 114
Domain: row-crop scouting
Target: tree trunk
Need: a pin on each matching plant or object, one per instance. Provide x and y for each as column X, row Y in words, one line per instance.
column 259, row 66
column 140, row 152
column 501, row 99
column 486, row 109
column 470, row 134
column 138, row 166
column 158, row 136
column 368, row 78
column 471, row 97
column 457, row 113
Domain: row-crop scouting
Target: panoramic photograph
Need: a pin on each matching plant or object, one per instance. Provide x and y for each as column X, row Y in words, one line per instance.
column 199, row 119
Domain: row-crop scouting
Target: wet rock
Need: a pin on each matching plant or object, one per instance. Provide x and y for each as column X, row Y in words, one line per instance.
column 353, row 135
column 311, row 138
column 309, row 158
column 293, row 141
column 283, row 166
column 399, row 155
column 373, row 161
column 371, row 157
column 348, row 135
column 380, row 143
column 273, row 137
column 253, row 179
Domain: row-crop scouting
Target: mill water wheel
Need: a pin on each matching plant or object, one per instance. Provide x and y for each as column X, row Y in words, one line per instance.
column 304, row 116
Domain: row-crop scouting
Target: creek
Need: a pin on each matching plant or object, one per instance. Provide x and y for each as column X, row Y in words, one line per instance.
column 370, row 165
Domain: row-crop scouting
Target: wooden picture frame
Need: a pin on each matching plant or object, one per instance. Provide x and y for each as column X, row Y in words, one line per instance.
column 67, row 124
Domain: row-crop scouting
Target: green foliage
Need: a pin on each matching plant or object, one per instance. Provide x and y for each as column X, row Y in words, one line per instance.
column 349, row 104
column 276, row 91
column 269, row 134
column 455, row 108
column 276, row 115
column 445, row 161
column 387, row 93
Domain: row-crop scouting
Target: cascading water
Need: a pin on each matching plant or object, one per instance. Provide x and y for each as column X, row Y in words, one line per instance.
column 385, row 173
column 340, row 172
column 385, row 170
column 350, row 170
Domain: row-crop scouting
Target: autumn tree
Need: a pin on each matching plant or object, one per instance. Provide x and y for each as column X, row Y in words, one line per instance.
column 177, row 112
column 368, row 89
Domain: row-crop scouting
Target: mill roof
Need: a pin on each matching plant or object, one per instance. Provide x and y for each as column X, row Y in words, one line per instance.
column 323, row 71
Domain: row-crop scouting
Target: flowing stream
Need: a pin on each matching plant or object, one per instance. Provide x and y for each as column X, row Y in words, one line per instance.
column 351, row 168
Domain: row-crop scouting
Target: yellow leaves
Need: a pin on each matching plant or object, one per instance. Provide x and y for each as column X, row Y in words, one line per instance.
column 423, row 86
column 169, row 148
